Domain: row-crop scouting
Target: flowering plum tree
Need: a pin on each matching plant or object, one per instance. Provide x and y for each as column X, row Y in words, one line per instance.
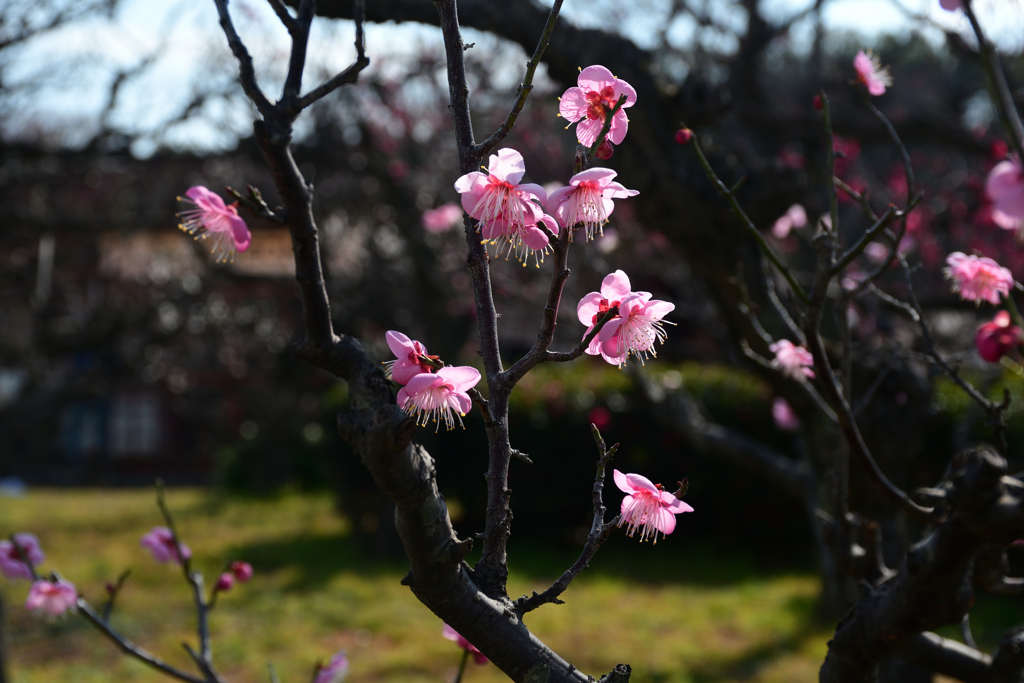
column 793, row 314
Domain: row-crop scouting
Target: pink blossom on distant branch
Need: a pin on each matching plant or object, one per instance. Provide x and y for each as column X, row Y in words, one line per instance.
column 242, row 571
column 997, row 338
column 978, row 278
column 648, row 507
column 597, row 93
column 496, row 198
column 160, row 542
column 11, row 563
column 453, row 635
column 795, row 217
column 871, row 73
column 1005, row 187
column 794, row 361
column 587, row 200
column 951, row 5
column 51, row 597
column 435, row 396
column 334, row 671
column 210, row 217
column 783, row 415
column 441, row 219
column 408, row 363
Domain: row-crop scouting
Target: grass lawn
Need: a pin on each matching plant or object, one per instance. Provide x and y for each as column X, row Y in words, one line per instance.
column 675, row 613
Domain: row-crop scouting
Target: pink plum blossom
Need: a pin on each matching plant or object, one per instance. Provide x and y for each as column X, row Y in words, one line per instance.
column 635, row 329
column 794, row 361
column 441, row 219
column 997, row 338
column 951, row 5
column 871, row 73
column 497, row 199
column 334, row 671
column 11, row 563
column 648, row 507
column 1005, row 187
column 783, row 415
column 525, row 242
column 432, row 396
column 614, row 288
column 242, row 571
column 408, row 363
column 453, row 635
column 597, row 93
column 978, row 278
column 587, row 200
column 51, row 597
column 795, row 217
column 211, row 217
column 160, row 542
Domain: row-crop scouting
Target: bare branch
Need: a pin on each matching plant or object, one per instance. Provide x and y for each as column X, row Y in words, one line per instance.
column 247, row 73
column 599, row 533
column 525, row 87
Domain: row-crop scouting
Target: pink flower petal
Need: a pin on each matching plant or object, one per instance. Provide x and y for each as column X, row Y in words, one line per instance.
column 461, row 378
column 507, row 165
column 573, row 105
column 615, row 286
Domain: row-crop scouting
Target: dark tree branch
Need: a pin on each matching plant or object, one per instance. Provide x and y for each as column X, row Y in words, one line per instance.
column 599, row 533
column 496, row 138
column 932, row 587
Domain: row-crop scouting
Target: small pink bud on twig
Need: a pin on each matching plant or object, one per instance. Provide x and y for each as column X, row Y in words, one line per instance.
column 683, row 135
column 225, row 582
column 242, row 571
column 605, row 150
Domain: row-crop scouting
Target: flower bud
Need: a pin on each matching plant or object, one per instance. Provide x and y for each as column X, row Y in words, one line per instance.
column 997, row 338
column 605, row 150
column 817, row 102
column 683, row 135
column 242, row 571
column 225, row 582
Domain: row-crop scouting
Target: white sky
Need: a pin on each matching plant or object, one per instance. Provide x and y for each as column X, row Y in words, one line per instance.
column 190, row 38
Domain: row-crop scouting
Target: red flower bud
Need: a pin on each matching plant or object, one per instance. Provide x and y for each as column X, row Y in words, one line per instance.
column 683, row 135
column 242, row 571
column 817, row 102
column 997, row 338
column 604, row 150
column 225, row 582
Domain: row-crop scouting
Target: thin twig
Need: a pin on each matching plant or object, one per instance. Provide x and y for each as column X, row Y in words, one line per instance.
column 599, row 533
column 1002, row 97
column 525, row 87
column 747, row 223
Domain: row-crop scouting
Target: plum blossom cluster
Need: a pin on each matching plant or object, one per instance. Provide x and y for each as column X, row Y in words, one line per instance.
column 794, row 361
column 635, row 327
column 18, row 560
column 978, row 278
column 429, row 395
column 648, row 508
column 209, row 218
